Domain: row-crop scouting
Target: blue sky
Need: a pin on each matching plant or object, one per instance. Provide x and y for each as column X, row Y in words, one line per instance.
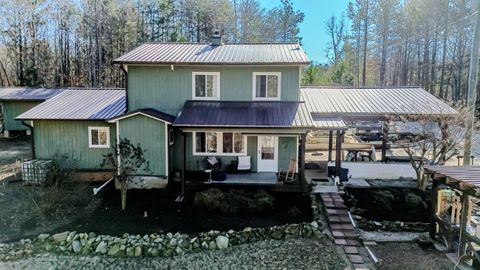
column 312, row 30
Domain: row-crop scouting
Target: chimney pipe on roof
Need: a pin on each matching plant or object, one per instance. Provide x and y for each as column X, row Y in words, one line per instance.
column 216, row 38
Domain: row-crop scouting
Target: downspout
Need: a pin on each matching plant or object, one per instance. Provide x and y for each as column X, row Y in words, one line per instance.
column 126, row 86
column 32, row 137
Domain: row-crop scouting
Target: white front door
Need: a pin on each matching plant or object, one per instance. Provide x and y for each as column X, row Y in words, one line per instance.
column 267, row 160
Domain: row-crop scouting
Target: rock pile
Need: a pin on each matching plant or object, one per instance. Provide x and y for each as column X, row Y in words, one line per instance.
column 153, row 245
column 391, row 226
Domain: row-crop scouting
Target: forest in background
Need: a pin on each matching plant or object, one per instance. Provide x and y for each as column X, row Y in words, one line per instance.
column 400, row 42
column 60, row 43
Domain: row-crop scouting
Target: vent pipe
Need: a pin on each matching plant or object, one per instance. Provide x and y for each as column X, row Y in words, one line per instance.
column 216, row 38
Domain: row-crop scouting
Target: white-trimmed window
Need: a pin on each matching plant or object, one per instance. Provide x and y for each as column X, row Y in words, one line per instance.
column 98, row 137
column 219, row 143
column 206, row 85
column 266, row 85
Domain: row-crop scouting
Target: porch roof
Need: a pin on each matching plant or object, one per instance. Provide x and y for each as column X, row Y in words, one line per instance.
column 248, row 114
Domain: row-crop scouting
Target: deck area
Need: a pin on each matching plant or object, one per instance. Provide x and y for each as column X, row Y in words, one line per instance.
column 264, row 180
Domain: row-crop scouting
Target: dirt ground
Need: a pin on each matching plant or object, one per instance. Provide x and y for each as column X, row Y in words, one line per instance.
column 410, row 256
column 26, row 211
column 10, row 151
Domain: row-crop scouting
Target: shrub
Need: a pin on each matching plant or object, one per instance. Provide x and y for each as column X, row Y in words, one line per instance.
column 414, row 202
column 234, row 201
column 383, row 200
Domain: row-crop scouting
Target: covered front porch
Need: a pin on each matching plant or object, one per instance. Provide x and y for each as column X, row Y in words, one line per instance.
column 240, row 143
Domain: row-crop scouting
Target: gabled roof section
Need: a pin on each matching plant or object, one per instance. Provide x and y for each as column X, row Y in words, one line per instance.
column 372, row 102
column 91, row 104
column 304, row 118
column 152, row 113
column 28, row 93
column 266, row 114
column 207, row 54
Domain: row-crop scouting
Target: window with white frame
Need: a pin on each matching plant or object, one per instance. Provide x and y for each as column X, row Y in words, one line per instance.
column 266, row 85
column 98, row 137
column 219, row 143
column 206, row 85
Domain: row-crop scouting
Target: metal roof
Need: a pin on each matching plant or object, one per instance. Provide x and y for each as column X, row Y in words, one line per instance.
column 28, row 93
column 149, row 112
column 91, row 104
column 467, row 174
column 279, row 114
column 304, row 118
column 226, row 54
column 373, row 101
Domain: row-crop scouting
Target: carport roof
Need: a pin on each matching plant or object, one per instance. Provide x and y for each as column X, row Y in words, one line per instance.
column 371, row 102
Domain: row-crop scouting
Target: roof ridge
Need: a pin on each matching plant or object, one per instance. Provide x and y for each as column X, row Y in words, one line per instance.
column 356, row 87
column 226, row 43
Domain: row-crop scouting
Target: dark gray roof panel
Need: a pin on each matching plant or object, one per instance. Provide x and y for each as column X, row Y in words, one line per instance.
column 79, row 104
column 237, row 114
column 373, row 101
column 227, row 54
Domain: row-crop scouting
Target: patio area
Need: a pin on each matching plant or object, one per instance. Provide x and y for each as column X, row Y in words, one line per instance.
column 262, row 178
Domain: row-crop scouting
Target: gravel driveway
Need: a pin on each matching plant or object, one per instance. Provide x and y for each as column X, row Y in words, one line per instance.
column 269, row 254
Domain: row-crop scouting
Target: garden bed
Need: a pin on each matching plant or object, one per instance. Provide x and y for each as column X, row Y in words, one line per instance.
column 28, row 211
column 390, row 208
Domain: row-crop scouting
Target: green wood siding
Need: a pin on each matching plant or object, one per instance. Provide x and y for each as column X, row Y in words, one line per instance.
column 287, row 150
column 150, row 135
column 166, row 90
column 13, row 109
column 60, row 139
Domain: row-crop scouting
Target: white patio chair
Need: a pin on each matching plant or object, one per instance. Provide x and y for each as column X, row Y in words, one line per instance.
column 244, row 164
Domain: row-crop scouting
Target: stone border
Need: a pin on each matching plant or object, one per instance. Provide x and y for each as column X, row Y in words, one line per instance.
column 153, row 245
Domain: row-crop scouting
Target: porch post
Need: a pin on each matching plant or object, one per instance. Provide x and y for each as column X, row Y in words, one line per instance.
column 384, row 140
column 463, row 223
column 338, row 152
column 433, row 206
column 330, row 145
column 184, row 159
column 303, row 139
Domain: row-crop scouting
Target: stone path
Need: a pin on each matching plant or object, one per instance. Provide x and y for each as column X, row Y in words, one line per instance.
column 343, row 230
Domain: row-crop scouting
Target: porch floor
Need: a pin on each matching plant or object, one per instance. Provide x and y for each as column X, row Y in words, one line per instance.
column 263, row 178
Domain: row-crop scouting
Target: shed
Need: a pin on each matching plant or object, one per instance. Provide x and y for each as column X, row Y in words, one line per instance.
column 16, row 100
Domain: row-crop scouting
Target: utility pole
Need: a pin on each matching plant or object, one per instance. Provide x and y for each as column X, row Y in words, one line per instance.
column 472, row 87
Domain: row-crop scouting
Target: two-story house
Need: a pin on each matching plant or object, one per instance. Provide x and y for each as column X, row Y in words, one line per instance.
column 185, row 102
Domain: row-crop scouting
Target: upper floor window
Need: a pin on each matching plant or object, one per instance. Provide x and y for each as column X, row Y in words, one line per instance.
column 206, row 85
column 98, row 137
column 266, row 85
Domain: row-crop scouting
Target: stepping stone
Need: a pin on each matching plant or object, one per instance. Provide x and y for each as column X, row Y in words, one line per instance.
column 336, row 227
column 370, row 243
column 338, row 234
column 347, row 227
column 332, row 211
column 350, row 250
column 341, row 242
column 334, row 219
column 355, row 258
column 327, row 199
column 351, row 242
column 345, row 219
column 350, row 233
column 357, row 266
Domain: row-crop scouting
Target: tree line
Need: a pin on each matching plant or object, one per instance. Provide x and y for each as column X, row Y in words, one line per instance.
column 400, row 42
column 60, row 43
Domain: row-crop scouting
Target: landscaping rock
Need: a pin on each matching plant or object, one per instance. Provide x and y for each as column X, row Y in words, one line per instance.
column 43, row 236
column 60, row 237
column 76, row 246
column 101, row 248
column 222, row 242
column 138, row 251
column 114, row 250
